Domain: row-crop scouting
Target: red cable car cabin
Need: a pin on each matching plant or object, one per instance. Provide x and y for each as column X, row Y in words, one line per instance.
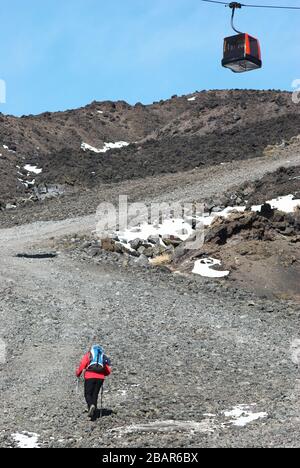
column 241, row 53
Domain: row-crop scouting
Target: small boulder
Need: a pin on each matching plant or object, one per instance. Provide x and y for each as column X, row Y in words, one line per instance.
column 149, row 252
column 154, row 239
column 267, row 211
column 172, row 240
column 94, row 251
column 136, row 243
column 143, row 261
column 141, row 250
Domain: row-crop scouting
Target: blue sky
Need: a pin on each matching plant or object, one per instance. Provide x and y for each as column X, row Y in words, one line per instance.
column 62, row 54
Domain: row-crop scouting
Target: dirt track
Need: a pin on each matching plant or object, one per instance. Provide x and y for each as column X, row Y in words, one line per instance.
column 214, row 349
column 200, row 184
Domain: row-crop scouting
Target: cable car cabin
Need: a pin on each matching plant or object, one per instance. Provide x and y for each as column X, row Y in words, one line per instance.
column 241, row 53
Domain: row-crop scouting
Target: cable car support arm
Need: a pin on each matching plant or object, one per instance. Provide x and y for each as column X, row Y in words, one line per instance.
column 234, row 6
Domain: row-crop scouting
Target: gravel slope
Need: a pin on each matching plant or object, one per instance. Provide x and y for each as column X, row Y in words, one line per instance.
column 216, row 348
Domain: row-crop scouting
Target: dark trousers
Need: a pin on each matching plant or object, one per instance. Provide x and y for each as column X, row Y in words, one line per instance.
column 92, row 388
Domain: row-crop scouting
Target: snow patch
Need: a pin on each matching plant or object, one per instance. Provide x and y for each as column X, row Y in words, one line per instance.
column 26, row 440
column 243, row 415
column 27, row 183
column 170, row 227
column 204, row 268
column 287, row 204
column 33, row 169
column 106, row 147
column 125, row 244
column 7, row 148
column 191, row 99
column 86, row 147
column 206, row 426
column 117, row 145
column 208, row 220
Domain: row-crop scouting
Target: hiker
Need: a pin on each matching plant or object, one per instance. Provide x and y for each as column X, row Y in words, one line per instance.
column 96, row 366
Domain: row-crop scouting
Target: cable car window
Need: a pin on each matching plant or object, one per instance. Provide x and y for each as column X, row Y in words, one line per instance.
column 254, row 47
column 234, row 46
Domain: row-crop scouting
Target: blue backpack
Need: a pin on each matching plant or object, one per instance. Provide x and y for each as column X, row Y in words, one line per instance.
column 98, row 360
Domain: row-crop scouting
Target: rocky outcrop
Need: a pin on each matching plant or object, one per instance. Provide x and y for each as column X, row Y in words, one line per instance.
column 150, row 248
column 284, row 181
column 264, row 226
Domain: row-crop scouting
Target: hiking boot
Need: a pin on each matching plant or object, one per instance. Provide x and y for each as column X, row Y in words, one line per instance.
column 91, row 411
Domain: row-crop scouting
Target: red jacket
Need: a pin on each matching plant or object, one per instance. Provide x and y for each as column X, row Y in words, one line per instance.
column 85, row 362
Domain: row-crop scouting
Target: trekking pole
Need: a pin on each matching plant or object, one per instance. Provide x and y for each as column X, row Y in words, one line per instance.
column 77, row 386
column 101, row 400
